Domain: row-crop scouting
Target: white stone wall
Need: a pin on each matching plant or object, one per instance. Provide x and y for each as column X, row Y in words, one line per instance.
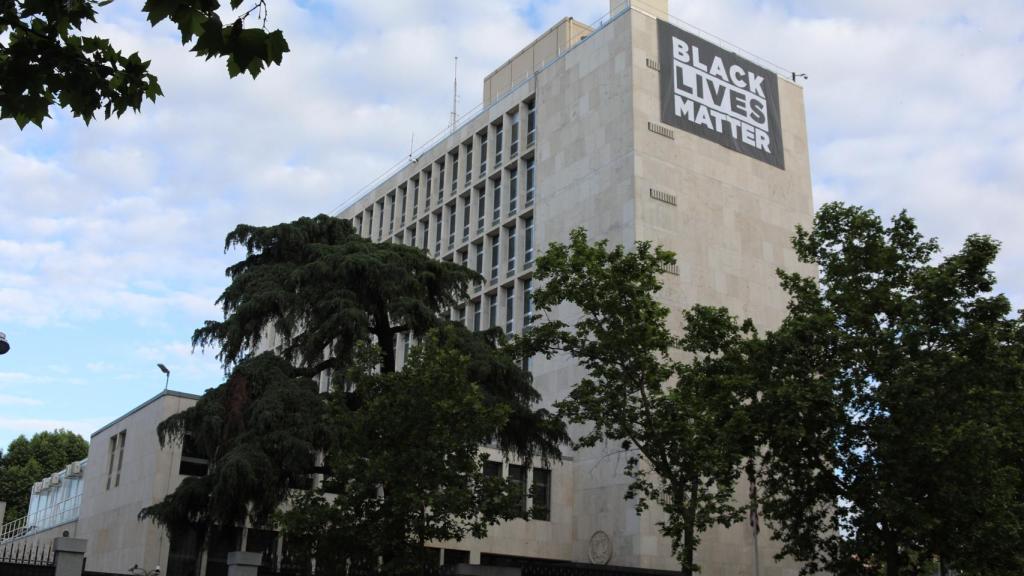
column 117, row 540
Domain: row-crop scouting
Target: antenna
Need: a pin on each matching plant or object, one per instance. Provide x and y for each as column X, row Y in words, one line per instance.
column 455, row 96
column 412, row 140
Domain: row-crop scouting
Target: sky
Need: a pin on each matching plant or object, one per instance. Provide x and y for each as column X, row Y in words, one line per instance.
column 111, row 235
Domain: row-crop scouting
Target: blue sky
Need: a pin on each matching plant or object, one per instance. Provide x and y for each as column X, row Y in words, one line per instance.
column 111, row 235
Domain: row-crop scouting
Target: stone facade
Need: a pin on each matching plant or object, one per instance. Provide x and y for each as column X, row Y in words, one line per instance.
column 603, row 160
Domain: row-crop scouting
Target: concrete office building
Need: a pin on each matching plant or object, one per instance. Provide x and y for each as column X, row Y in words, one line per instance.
column 635, row 130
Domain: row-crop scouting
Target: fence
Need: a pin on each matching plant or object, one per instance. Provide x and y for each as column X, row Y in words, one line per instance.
column 43, row 519
column 26, row 560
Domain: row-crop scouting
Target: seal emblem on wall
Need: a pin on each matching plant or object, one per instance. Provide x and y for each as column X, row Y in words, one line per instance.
column 600, row 550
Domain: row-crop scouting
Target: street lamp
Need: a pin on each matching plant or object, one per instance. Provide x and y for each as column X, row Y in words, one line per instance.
column 165, row 371
column 4, row 346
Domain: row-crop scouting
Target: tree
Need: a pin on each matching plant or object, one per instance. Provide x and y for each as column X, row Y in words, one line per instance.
column 46, row 60
column 406, row 466
column 332, row 299
column 260, row 431
column 28, row 460
column 682, row 422
column 894, row 412
column 322, row 288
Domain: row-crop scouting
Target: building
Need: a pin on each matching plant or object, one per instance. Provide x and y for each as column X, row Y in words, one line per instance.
column 99, row 499
column 635, row 129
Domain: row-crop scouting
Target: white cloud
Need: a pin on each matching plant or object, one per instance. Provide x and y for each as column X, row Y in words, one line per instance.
column 909, row 105
column 30, row 426
column 9, row 400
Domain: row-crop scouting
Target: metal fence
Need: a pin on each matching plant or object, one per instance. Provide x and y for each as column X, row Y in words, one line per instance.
column 44, row 519
column 26, row 560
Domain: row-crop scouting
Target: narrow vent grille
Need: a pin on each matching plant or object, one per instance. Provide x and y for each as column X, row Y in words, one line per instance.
column 663, row 196
column 653, row 64
column 661, row 130
column 672, row 269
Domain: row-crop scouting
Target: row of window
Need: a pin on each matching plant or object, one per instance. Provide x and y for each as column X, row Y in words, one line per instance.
column 500, row 197
column 538, row 479
column 497, row 308
column 115, row 454
column 406, row 202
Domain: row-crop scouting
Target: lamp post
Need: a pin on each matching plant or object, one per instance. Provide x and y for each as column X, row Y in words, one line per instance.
column 4, row 345
column 167, row 372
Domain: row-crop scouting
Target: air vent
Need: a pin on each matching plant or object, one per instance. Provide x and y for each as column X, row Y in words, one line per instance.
column 659, row 129
column 672, row 269
column 653, row 64
column 663, row 196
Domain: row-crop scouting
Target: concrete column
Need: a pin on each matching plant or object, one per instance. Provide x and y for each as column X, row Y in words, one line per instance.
column 243, row 563
column 68, row 556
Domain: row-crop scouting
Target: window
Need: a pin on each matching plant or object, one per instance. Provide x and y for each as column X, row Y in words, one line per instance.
column 477, row 316
column 380, row 224
column 517, row 477
column 481, row 200
column 510, row 309
column 193, row 460
column 451, row 227
column 391, row 218
column 111, row 457
column 440, row 182
column 531, row 182
column 465, row 217
column 511, row 250
column 531, row 123
column 437, row 234
column 527, row 303
column 492, row 310
column 455, row 170
column 513, row 148
column 424, row 235
column 479, row 248
column 513, row 191
column 116, row 455
column 483, row 154
column 426, row 191
column 499, row 144
column 404, row 198
column 415, row 197
column 497, row 200
column 492, row 469
column 528, row 240
column 494, row 259
column 541, row 494
column 462, row 315
column 469, row 163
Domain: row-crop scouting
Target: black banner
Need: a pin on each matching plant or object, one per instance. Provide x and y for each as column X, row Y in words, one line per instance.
column 716, row 94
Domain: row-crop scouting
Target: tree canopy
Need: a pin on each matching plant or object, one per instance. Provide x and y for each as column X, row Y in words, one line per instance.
column 46, row 60
column 28, row 460
column 894, row 410
column 400, row 449
column 681, row 422
column 406, row 466
column 259, row 431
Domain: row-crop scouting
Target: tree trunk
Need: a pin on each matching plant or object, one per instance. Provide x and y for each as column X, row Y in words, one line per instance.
column 892, row 555
column 689, row 527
